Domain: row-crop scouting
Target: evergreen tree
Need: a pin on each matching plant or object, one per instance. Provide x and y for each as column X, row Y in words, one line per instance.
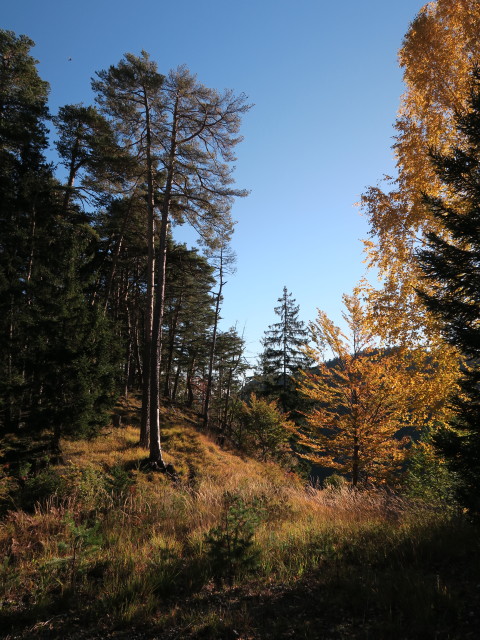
column 451, row 266
column 130, row 95
column 282, row 356
column 230, row 367
column 185, row 134
column 74, row 354
column 57, row 368
column 24, row 202
column 188, row 319
column 88, row 150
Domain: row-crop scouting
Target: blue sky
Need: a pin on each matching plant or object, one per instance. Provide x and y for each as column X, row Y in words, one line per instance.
column 326, row 87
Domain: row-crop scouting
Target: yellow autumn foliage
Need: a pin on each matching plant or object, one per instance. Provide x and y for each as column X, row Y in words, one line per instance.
column 366, row 395
column 437, row 56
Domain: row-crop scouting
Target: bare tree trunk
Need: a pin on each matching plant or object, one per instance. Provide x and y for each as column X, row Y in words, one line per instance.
column 128, row 358
column 208, row 392
column 156, row 458
column 190, row 372
column 72, row 172
column 146, row 382
column 177, row 374
column 171, row 345
column 355, row 465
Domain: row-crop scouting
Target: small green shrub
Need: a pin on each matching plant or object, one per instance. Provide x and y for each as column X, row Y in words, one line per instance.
column 119, row 481
column 261, row 428
column 38, row 488
column 8, row 488
column 428, row 477
column 335, row 482
column 230, row 545
column 92, row 488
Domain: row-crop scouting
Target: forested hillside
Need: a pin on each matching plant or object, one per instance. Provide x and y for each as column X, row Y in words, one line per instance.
column 153, row 481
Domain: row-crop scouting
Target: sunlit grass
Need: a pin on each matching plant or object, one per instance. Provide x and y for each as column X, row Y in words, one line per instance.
column 116, row 539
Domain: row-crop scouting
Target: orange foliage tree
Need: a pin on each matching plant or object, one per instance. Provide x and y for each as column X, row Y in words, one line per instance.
column 365, row 396
column 437, row 56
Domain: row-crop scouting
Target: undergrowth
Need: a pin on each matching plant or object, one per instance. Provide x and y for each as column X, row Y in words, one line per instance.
column 99, row 537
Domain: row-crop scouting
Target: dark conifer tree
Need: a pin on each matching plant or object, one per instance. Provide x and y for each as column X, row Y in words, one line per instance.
column 187, row 320
column 229, row 371
column 451, row 264
column 88, row 149
column 55, row 363
column 23, row 184
column 282, row 354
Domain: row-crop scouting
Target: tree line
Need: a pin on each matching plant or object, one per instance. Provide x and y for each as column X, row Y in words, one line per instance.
column 96, row 296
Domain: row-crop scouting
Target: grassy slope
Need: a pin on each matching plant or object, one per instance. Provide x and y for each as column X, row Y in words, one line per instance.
column 119, row 552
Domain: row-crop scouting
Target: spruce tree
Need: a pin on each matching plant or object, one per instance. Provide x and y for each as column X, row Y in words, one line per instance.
column 282, row 354
column 57, row 364
column 451, row 265
column 24, row 204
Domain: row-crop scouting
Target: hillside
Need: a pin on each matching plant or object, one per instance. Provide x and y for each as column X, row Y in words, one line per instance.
column 234, row 548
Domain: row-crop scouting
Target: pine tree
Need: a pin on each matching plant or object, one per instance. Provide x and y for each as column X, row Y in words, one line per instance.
column 185, row 134
column 451, row 266
column 88, row 149
column 57, row 372
column 199, row 136
column 282, row 356
column 130, row 95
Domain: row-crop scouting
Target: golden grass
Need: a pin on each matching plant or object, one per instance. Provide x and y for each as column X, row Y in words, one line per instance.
column 120, row 543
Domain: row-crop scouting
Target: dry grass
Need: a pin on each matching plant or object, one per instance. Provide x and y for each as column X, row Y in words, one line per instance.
column 114, row 539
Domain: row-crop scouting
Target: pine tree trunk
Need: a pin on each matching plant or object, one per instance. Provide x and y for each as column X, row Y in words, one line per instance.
column 147, row 385
column 71, row 177
column 190, row 372
column 177, row 375
column 156, row 458
column 206, row 406
column 171, row 346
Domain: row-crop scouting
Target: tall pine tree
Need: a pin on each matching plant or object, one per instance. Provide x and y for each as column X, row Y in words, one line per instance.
column 56, row 365
column 185, row 134
column 451, row 266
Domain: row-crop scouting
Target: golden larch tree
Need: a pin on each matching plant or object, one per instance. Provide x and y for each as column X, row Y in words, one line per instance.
column 365, row 395
column 437, row 56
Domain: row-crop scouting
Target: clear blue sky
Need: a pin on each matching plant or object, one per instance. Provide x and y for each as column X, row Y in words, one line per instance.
column 326, row 86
